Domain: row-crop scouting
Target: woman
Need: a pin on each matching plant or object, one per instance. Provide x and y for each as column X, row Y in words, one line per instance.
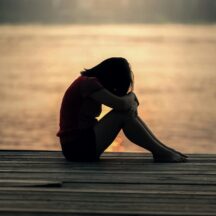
column 83, row 137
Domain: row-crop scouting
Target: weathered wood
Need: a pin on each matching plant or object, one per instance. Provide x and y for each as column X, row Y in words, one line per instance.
column 45, row 212
column 141, row 187
column 110, row 188
column 80, row 171
column 69, row 196
column 202, row 170
column 109, row 207
column 44, row 183
column 115, row 178
column 49, row 212
column 28, row 183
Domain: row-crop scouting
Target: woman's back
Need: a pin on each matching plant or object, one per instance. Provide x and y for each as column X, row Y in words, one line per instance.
column 78, row 111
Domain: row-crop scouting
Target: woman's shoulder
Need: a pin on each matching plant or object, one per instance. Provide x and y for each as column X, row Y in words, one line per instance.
column 82, row 77
column 89, row 84
column 87, row 79
column 84, row 81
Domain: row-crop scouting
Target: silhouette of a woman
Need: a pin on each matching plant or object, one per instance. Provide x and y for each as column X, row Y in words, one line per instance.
column 83, row 137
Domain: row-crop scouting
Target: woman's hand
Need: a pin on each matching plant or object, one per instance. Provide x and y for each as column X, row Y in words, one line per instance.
column 133, row 98
column 124, row 103
column 136, row 99
column 134, row 102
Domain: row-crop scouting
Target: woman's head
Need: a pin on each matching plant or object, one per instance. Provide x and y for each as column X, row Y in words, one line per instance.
column 114, row 74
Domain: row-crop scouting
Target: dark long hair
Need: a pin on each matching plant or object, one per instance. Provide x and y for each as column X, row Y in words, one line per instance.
column 114, row 74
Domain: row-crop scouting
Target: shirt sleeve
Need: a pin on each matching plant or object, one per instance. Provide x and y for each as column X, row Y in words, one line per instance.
column 90, row 85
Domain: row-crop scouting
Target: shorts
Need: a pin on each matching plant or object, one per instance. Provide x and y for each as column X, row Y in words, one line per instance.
column 80, row 145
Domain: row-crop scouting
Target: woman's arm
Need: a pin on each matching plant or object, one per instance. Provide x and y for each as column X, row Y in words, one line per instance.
column 119, row 103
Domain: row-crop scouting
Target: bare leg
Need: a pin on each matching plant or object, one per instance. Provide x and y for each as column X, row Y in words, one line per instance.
column 156, row 139
column 107, row 129
column 137, row 132
column 109, row 126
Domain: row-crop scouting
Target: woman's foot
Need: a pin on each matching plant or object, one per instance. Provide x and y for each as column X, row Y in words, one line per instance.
column 173, row 150
column 183, row 155
column 169, row 156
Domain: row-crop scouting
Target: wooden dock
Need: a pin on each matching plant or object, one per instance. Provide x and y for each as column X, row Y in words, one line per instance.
column 44, row 183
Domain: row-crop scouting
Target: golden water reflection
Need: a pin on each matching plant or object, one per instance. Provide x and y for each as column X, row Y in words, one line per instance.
column 175, row 79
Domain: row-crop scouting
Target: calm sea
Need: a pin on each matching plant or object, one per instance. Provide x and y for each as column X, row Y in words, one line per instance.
column 175, row 80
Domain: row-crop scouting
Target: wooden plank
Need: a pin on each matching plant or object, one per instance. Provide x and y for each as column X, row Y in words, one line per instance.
column 50, row 212
column 109, row 166
column 28, row 183
column 88, row 188
column 118, row 171
column 114, row 178
column 143, row 162
column 64, row 200
column 148, row 169
column 108, row 207
column 140, row 187
column 114, row 188
column 76, row 196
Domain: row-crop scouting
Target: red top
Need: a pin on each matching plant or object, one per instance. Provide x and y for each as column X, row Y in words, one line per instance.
column 78, row 111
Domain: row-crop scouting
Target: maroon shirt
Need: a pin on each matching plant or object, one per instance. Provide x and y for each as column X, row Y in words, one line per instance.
column 78, row 111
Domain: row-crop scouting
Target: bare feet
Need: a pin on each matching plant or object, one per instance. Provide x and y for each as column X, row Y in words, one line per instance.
column 183, row 155
column 169, row 156
column 173, row 150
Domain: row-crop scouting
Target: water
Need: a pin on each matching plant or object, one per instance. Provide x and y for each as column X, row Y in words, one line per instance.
column 175, row 79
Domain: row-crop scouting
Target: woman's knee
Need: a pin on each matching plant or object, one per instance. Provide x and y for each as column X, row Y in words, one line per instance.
column 127, row 114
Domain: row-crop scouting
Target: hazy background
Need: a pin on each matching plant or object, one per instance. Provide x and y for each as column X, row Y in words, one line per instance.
column 107, row 11
column 171, row 45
